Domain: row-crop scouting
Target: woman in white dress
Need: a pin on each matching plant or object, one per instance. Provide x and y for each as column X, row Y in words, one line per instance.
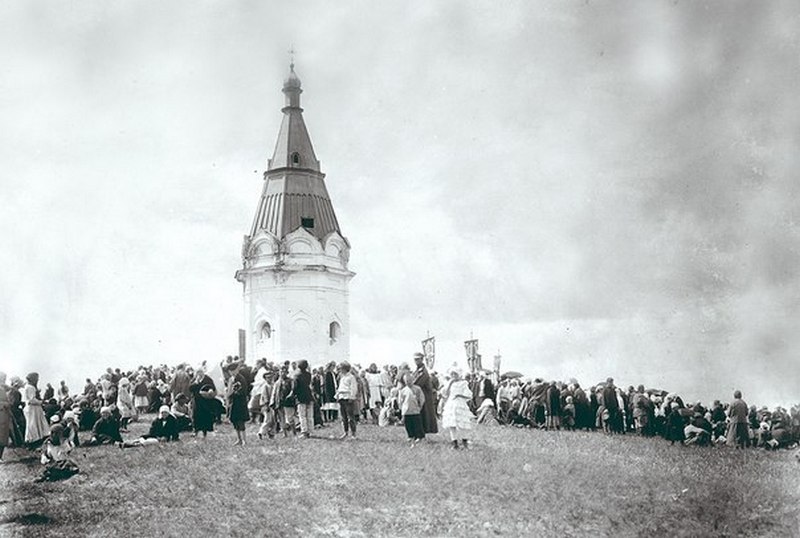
column 36, row 427
column 456, row 416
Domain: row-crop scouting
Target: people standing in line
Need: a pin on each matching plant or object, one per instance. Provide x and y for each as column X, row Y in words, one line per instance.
column 423, row 380
column 456, row 416
column 305, row 398
column 412, row 399
column 36, row 427
column 346, row 395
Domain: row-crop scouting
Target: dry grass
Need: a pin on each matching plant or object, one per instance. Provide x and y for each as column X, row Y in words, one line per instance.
column 512, row 483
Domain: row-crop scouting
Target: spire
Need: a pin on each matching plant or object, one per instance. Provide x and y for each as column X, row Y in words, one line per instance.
column 293, row 148
column 294, row 192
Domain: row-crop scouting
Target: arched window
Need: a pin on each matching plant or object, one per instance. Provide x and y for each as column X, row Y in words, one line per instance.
column 265, row 333
column 334, row 331
column 295, row 158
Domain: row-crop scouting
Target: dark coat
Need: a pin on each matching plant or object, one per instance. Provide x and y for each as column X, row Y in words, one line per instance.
column 488, row 389
column 423, row 380
column 329, row 387
column 302, row 388
column 204, row 409
column 237, row 399
column 164, row 428
column 107, row 428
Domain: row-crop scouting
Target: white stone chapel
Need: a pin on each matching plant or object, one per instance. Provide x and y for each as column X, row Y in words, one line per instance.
column 294, row 261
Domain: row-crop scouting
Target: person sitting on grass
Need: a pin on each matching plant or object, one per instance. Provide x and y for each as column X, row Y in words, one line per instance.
column 106, row 429
column 163, row 429
column 411, row 401
column 70, row 424
column 698, row 431
column 55, row 457
column 487, row 414
column 180, row 410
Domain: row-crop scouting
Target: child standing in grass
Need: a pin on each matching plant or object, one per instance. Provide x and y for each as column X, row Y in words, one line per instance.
column 456, row 416
column 411, row 401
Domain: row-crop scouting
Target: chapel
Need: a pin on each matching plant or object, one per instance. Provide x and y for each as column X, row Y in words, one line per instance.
column 295, row 259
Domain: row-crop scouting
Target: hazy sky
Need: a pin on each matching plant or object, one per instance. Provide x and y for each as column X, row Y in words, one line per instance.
column 593, row 188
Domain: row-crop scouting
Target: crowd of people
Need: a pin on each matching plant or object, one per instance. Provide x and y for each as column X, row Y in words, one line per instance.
column 292, row 399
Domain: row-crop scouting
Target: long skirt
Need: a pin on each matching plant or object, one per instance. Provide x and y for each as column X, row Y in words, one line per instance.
column 456, row 414
column 36, row 427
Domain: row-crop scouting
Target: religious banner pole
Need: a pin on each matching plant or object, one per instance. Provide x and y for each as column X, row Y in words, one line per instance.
column 473, row 358
column 429, row 351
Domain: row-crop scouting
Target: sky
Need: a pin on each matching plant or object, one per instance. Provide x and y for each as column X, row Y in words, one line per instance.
column 591, row 189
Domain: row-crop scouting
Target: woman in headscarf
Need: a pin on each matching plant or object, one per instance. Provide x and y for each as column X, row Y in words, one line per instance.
column 5, row 415
column 36, row 427
column 456, row 416
column 203, row 393
column 125, row 403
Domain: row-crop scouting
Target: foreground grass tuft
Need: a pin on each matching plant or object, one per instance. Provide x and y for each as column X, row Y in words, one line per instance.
column 511, row 483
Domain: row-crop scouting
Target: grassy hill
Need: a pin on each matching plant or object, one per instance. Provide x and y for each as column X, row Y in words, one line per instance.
column 511, row 483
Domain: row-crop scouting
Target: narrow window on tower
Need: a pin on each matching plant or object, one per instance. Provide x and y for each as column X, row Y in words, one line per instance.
column 295, row 158
column 335, row 331
column 266, row 331
column 306, row 222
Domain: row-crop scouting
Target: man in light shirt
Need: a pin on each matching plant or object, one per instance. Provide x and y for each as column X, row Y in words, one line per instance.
column 346, row 395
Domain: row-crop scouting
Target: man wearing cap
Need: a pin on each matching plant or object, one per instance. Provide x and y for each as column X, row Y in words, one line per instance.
column 422, row 379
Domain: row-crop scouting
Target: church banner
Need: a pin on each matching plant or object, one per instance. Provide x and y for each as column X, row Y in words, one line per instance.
column 497, row 363
column 429, row 351
column 473, row 357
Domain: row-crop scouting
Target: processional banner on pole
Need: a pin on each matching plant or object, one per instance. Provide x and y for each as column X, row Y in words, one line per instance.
column 429, row 351
column 473, row 357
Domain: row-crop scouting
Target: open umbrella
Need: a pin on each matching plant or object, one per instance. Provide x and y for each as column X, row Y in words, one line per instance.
column 511, row 375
